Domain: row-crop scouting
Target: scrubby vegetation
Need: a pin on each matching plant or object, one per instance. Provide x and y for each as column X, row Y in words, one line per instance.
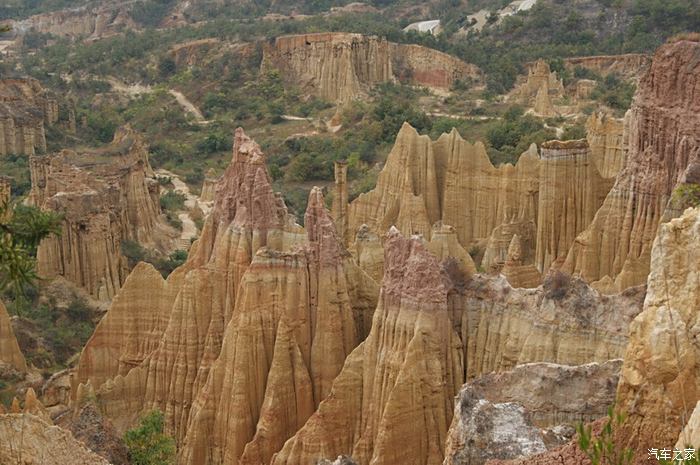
column 148, row 444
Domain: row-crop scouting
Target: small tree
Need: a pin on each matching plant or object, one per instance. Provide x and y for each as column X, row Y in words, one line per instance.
column 147, row 443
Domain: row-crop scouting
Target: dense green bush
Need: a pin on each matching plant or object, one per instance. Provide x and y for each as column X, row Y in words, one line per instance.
column 148, row 444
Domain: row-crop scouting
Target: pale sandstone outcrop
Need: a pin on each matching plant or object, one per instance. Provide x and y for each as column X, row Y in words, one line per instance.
column 106, row 196
column 10, row 353
column 369, row 252
column 451, row 180
column 89, row 22
column 659, row 384
column 392, row 402
column 298, row 316
column 546, row 201
column 343, row 66
column 663, row 129
column 209, row 186
column 690, row 436
column 444, row 244
column 631, row 65
column 247, row 215
column 518, row 274
column 483, row 430
column 538, row 88
column 607, row 142
column 29, row 440
column 571, row 190
column 564, row 321
column 340, row 200
column 25, row 110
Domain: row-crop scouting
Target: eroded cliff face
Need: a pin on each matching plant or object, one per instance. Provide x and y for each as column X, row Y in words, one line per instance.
column 524, row 411
column 30, row 440
column 453, row 182
column 25, row 111
column 262, row 312
column 538, row 89
column 608, row 143
column 563, row 321
column 298, row 316
column 631, row 65
column 392, row 401
column 89, row 22
column 112, row 198
column 10, row 354
column 164, row 359
column 659, row 385
column 663, row 145
column 341, row 66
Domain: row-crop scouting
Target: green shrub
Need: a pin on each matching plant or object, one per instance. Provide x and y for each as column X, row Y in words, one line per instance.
column 172, row 201
column 602, row 450
column 147, row 443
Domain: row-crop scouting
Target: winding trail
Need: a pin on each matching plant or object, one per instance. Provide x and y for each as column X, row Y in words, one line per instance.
column 133, row 90
column 189, row 228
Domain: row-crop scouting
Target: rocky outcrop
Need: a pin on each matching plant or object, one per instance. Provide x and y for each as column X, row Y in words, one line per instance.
column 25, row 110
column 298, row 316
column 87, row 22
column 538, row 88
column 607, row 142
column 515, row 271
column 631, row 65
column 340, row 199
column 106, row 196
column 29, row 440
column 392, row 401
column 659, row 384
column 427, row 67
column 663, row 145
column 97, row 433
column 341, row 66
column 453, row 181
column 571, row 190
column 448, row 180
column 166, row 370
column 10, row 354
column 209, row 187
column 564, row 321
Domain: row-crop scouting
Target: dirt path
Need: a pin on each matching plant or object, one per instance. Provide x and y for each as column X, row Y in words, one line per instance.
column 189, row 228
column 134, row 90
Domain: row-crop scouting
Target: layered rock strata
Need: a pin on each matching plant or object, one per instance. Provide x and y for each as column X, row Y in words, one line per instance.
column 392, row 401
column 10, row 354
column 162, row 359
column 106, row 196
column 663, row 145
column 571, row 190
column 25, row 111
column 564, row 321
column 631, row 65
column 659, row 385
column 538, row 88
column 29, row 440
column 516, row 272
column 340, row 66
column 547, row 201
column 298, row 316
column 608, row 143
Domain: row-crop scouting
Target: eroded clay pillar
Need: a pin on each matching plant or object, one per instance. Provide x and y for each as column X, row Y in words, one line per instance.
column 340, row 200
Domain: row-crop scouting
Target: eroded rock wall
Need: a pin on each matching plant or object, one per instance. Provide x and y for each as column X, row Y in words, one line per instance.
column 659, row 384
column 25, row 110
column 663, row 144
column 106, row 196
column 10, row 354
column 341, row 66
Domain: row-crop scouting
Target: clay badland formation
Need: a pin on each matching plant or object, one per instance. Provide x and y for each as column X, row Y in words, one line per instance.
column 369, row 333
column 341, row 66
column 25, row 111
column 106, row 196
